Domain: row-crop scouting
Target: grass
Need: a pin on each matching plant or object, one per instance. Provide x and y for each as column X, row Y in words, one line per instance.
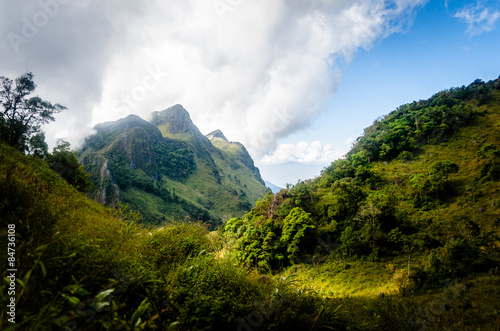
column 82, row 265
column 78, row 259
column 341, row 279
column 461, row 148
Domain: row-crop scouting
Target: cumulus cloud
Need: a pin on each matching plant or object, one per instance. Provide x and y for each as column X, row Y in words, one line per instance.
column 303, row 152
column 258, row 70
column 478, row 18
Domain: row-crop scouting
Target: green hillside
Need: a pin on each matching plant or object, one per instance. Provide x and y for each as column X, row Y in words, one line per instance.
column 413, row 208
column 401, row 234
column 424, row 174
column 166, row 169
column 81, row 265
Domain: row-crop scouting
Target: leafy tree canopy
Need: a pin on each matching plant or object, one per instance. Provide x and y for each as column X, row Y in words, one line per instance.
column 22, row 116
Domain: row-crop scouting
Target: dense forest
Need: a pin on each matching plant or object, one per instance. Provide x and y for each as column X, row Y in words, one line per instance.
column 400, row 234
column 357, row 204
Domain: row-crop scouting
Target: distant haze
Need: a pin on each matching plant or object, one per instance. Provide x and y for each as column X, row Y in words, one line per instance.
column 288, row 173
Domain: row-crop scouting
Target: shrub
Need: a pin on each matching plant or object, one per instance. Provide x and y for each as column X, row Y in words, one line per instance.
column 166, row 248
column 211, row 294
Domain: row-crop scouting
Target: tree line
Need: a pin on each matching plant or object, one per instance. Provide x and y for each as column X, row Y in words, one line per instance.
column 21, row 122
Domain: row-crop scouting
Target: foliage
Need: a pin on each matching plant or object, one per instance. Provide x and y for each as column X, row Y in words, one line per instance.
column 459, row 257
column 323, row 254
column 402, row 280
column 168, row 247
column 211, row 294
column 368, row 214
column 437, row 184
column 65, row 163
column 84, row 266
column 275, row 241
column 411, row 126
column 295, row 227
column 23, row 116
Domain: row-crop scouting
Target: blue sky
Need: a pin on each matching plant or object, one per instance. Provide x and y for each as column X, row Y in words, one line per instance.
column 434, row 52
column 294, row 81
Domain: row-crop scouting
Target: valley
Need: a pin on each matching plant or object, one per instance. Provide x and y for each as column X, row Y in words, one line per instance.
column 182, row 234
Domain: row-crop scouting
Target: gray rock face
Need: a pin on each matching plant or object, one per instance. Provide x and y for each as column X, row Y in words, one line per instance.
column 176, row 118
column 135, row 144
column 216, row 134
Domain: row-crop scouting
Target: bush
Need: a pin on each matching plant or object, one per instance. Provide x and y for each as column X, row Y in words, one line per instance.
column 65, row 163
column 458, row 258
column 211, row 294
column 405, row 156
column 166, row 248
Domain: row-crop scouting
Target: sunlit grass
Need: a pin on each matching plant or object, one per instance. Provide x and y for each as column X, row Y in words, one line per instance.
column 76, row 255
column 346, row 279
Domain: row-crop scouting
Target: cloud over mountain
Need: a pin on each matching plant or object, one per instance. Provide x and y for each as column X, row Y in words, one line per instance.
column 257, row 70
column 302, row 152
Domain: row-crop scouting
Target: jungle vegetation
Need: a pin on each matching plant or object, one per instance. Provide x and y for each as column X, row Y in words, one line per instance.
column 400, row 234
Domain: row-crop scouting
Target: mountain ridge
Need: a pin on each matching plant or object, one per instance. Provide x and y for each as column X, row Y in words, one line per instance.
column 398, row 243
column 166, row 168
column 216, row 134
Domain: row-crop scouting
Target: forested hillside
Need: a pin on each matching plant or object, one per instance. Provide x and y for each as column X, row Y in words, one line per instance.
column 423, row 180
column 413, row 207
column 401, row 234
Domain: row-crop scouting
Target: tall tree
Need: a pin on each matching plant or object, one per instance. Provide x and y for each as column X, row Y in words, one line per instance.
column 22, row 116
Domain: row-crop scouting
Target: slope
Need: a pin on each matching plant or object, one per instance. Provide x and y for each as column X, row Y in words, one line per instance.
column 166, row 169
column 80, row 265
column 429, row 242
column 411, row 209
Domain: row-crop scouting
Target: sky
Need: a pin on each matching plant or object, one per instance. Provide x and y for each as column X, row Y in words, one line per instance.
column 295, row 81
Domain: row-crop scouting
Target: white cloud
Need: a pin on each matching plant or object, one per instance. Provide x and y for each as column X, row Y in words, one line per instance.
column 478, row 18
column 349, row 142
column 258, row 70
column 303, row 152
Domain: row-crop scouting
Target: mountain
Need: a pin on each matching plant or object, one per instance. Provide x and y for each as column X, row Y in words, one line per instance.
column 167, row 169
column 272, row 187
column 419, row 191
column 401, row 234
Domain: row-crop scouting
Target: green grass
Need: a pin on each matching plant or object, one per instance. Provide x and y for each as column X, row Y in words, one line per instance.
column 460, row 148
column 345, row 279
column 185, row 136
column 82, row 265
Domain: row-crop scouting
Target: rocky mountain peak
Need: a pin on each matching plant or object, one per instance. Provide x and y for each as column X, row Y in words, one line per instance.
column 176, row 119
column 168, row 161
column 216, row 134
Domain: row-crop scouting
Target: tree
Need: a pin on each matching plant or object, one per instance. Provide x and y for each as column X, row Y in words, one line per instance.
column 417, row 183
column 65, row 163
column 489, row 150
column 37, row 146
column 22, row 116
column 437, row 184
column 443, row 168
column 295, row 227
